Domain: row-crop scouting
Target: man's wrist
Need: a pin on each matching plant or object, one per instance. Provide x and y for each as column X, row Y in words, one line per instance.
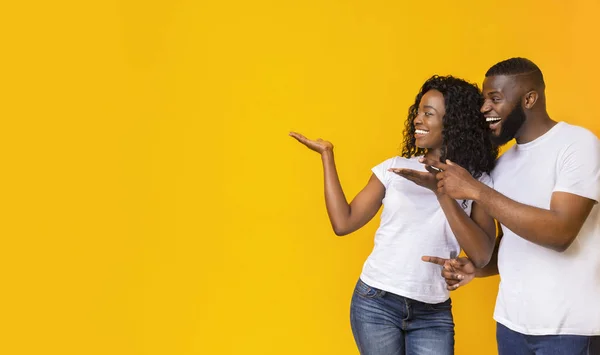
column 480, row 192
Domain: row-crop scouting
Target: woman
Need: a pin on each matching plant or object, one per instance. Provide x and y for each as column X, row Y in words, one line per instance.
column 401, row 304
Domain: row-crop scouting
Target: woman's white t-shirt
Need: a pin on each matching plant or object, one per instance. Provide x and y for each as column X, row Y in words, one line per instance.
column 412, row 225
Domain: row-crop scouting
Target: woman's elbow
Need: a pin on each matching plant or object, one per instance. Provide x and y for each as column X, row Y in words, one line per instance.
column 480, row 260
column 340, row 230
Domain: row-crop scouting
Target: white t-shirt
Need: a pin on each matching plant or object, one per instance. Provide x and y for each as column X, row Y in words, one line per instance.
column 545, row 292
column 412, row 225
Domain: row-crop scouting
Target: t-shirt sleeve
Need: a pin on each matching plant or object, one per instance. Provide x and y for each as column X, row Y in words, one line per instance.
column 579, row 168
column 382, row 173
column 487, row 180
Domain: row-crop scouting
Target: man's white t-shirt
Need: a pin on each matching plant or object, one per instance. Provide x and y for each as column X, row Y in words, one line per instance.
column 542, row 291
column 412, row 225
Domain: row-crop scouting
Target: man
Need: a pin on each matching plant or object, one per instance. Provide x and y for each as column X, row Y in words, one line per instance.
column 546, row 190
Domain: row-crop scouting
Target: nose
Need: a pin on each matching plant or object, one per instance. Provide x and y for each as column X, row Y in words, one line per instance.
column 417, row 120
column 486, row 107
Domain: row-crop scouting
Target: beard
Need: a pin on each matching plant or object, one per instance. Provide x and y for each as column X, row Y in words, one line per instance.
column 510, row 126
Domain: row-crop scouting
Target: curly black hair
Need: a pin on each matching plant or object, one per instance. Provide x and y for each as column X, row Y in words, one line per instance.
column 465, row 134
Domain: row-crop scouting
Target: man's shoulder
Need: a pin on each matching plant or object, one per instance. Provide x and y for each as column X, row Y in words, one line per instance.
column 573, row 133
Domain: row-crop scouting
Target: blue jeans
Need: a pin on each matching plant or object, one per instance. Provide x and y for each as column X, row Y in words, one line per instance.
column 387, row 324
column 514, row 343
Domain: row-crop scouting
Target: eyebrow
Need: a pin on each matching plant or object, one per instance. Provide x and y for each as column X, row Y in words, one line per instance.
column 429, row 106
column 494, row 93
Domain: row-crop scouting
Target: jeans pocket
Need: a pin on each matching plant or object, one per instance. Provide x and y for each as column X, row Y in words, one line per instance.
column 443, row 306
column 364, row 290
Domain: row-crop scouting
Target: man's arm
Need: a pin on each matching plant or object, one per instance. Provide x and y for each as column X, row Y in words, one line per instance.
column 555, row 228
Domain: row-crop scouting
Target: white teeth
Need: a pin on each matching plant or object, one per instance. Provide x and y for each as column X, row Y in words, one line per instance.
column 492, row 119
column 420, row 131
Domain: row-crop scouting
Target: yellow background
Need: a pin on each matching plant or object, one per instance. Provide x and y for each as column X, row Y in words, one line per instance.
column 152, row 202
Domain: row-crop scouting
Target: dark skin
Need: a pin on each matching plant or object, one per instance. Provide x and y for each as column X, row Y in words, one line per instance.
column 460, row 271
column 345, row 217
column 553, row 228
column 502, row 93
column 476, row 232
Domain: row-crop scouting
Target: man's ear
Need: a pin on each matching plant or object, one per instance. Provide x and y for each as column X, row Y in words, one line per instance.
column 530, row 99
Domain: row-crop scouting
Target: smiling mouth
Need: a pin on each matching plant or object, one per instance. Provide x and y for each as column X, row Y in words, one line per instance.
column 493, row 122
column 421, row 131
